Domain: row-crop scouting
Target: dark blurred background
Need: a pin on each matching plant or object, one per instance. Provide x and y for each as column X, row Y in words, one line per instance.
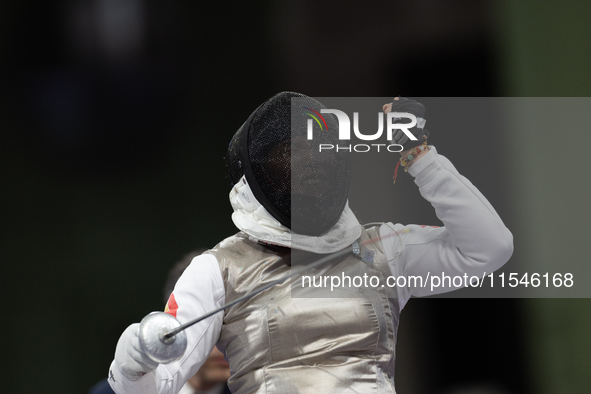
column 114, row 122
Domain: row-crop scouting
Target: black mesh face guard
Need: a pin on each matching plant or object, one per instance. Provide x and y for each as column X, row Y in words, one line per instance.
column 304, row 189
column 233, row 160
column 319, row 179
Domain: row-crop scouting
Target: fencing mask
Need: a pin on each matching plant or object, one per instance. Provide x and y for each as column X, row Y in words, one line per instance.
column 304, row 188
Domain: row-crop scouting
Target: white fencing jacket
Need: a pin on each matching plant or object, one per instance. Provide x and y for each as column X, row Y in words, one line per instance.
column 473, row 241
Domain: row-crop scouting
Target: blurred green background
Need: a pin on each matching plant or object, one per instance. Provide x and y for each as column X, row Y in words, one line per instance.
column 114, row 122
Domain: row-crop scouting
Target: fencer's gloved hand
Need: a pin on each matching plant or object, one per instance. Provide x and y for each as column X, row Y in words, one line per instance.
column 401, row 104
column 130, row 357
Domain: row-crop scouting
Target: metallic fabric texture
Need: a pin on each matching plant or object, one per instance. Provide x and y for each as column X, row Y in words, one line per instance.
column 277, row 342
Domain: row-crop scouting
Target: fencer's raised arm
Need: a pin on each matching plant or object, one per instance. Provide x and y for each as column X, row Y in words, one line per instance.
column 473, row 241
column 199, row 290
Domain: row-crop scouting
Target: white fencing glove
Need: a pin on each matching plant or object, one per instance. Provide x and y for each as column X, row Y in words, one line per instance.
column 130, row 357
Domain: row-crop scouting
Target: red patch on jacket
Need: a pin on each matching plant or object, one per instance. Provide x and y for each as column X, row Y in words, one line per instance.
column 171, row 306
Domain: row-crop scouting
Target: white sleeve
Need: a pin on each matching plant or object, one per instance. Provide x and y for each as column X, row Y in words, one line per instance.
column 474, row 240
column 199, row 290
